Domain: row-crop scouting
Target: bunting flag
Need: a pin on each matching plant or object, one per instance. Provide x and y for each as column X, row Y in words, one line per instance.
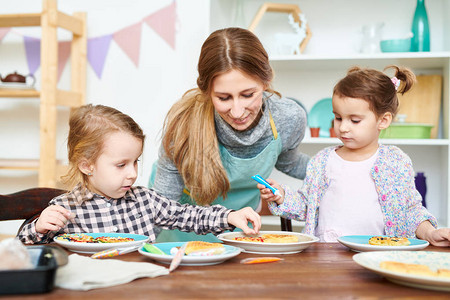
column 129, row 40
column 163, row 22
column 33, row 52
column 63, row 56
column 97, row 48
column 3, row 33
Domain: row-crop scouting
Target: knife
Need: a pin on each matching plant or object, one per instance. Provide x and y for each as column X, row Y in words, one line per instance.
column 177, row 258
column 114, row 252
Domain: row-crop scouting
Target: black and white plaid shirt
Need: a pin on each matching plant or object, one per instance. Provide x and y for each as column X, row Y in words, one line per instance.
column 138, row 212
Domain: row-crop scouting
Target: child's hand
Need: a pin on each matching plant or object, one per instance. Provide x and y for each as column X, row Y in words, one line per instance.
column 240, row 219
column 439, row 237
column 267, row 195
column 53, row 218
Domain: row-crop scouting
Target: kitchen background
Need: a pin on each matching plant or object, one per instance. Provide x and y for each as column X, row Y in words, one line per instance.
column 146, row 83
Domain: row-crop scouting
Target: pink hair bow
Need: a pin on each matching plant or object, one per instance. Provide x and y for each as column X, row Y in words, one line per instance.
column 396, row 82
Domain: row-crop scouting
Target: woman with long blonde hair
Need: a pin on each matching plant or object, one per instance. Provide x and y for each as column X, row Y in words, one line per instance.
column 232, row 126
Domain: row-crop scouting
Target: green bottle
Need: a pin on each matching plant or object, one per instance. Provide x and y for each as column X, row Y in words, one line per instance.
column 420, row 42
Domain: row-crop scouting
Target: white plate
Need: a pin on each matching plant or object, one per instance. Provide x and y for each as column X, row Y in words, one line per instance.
column 304, row 242
column 434, row 260
column 361, row 243
column 96, row 247
column 230, row 252
column 16, row 85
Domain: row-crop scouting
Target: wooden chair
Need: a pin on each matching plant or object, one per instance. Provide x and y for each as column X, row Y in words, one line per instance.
column 26, row 204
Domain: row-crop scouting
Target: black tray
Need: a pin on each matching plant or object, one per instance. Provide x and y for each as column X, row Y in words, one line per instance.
column 41, row 278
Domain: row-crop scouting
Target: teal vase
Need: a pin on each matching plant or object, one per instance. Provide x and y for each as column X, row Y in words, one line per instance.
column 420, row 29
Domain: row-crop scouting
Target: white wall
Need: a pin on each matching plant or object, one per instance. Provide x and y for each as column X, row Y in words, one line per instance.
column 145, row 92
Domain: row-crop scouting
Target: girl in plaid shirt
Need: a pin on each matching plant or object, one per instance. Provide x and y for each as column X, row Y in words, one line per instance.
column 104, row 146
column 361, row 187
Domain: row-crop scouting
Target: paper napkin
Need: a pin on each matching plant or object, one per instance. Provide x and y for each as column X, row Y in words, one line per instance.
column 84, row 273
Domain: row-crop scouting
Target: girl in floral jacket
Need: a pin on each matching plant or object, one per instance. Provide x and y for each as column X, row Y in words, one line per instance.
column 361, row 187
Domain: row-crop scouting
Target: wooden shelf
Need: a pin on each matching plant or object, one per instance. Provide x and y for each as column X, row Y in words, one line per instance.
column 63, row 98
column 58, row 19
column 20, row 20
column 416, row 60
column 50, row 19
column 29, row 164
column 19, row 164
column 19, row 93
column 414, row 142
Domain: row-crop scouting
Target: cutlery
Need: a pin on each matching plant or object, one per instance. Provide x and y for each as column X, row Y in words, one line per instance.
column 114, row 252
column 260, row 260
column 261, row 180
column 177, row 258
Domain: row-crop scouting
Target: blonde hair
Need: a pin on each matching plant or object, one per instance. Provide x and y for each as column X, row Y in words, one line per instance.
column 375, row 87
column 88, row 127
column 190, row 138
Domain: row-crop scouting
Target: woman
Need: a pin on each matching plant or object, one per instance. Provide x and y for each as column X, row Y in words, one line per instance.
column 231, row 127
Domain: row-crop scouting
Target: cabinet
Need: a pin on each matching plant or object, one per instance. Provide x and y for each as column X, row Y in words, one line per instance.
column 50, row 97
column 333, row 48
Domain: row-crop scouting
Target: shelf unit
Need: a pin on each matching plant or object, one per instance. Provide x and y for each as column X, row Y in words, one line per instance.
column 50, row 19
column 331, row 51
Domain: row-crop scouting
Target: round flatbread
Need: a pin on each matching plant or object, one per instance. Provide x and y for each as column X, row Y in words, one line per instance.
column 269, row 238
column 389, row 241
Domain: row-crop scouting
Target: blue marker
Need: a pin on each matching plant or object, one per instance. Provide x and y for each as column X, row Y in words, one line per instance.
column 261, row 180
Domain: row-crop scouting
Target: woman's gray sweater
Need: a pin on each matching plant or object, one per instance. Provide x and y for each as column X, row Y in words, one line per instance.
column 290, row 122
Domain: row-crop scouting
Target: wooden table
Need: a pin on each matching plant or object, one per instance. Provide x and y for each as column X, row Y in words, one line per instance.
column 323, row 271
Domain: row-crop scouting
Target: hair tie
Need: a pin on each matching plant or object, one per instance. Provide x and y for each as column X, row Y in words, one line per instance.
column 396, row 82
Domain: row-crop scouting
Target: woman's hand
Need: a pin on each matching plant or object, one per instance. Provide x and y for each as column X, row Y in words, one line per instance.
column 240, row 219
column 267, row 195
column 53, row 218
column 437, row 237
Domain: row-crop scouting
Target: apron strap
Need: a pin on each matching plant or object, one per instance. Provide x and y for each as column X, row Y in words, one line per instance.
column 272, row 124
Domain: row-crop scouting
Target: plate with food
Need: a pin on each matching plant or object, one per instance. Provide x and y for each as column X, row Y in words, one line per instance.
column 269, row 242
column 95, row 242
column 419, row 269
column 197, row 253
column 381, row 243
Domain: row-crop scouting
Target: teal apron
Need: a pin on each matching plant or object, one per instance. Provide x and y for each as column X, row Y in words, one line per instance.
column 243, row 191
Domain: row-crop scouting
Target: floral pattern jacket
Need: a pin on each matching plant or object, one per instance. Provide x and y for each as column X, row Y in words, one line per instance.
column 393, row 174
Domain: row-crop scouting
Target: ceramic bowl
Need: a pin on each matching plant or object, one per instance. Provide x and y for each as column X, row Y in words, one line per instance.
column 396, row 45
column 407, row 131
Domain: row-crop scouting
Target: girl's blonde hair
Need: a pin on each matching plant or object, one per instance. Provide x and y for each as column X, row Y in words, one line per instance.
column 88, row 127
column 375, row 87
column 189, row 138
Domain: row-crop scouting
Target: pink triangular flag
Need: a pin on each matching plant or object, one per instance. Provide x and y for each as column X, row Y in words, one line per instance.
column 33, row 53
column 63, row 56
column 163, row 22
column 129, row 39
column 96, row 53
column 3, row 33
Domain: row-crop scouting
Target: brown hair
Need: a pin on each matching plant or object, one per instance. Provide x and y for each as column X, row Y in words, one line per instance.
column 375, row 87
column 189, row 130
column 88, row 127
